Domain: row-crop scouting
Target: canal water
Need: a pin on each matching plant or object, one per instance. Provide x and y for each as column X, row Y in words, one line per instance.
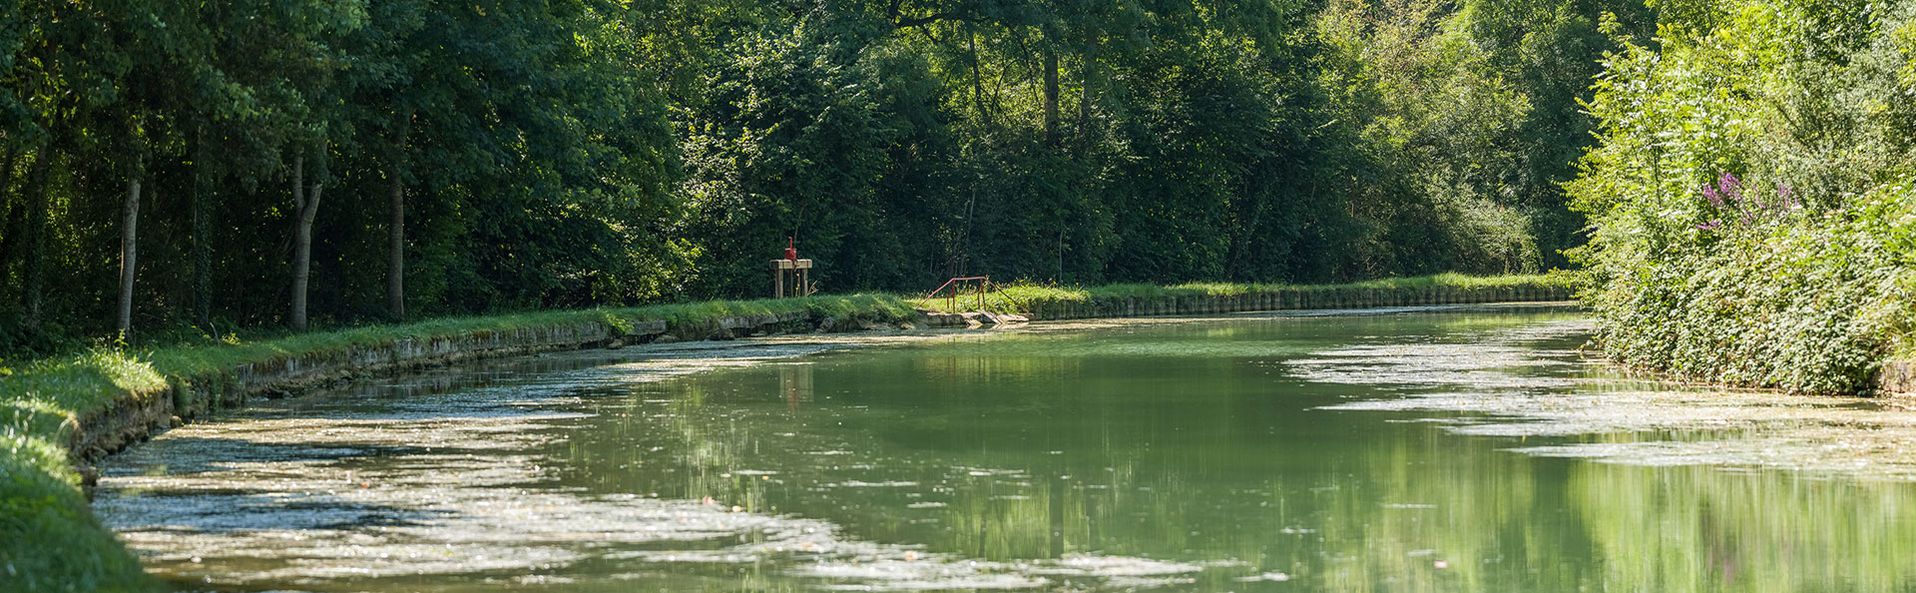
column 1455, row 449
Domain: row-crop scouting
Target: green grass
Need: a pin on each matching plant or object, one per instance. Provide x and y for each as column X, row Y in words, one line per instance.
column 49, row 539
column 1025, row 298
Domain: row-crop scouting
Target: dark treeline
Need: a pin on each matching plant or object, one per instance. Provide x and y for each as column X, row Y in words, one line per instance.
column 216, row 165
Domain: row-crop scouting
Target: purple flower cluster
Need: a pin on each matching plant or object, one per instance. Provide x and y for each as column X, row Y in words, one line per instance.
column 1726, row 189
column 1728, row 194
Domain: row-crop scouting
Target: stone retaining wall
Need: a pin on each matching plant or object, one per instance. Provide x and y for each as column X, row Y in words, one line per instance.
column 137, row 416
column 1291, row 299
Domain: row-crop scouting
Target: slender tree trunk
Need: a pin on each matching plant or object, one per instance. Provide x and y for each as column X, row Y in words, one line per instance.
column 396, row 259
column 6, row 189
column 396, row 231
column 308, row 210
column 1059, row 276
column 1050, row 94
column 977, row 77
column 9, row 222
column 202, row 226
column 129, row 252
column 964, row 232
column 302, row 253
column 1084, row 98
column 34, row 281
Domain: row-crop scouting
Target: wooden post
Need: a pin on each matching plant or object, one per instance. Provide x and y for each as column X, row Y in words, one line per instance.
column 798, row 272
column 778, row 279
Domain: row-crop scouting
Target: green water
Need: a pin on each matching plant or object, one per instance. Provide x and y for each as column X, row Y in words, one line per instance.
column 1436, row 451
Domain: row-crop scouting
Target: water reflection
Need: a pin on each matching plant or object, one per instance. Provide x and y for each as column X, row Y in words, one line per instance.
column 795, row 381
column 1245, row 454
column 1696, row 529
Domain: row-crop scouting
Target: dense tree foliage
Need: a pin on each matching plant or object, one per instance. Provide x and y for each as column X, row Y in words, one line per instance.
column 1754, row 193
column 222, row 165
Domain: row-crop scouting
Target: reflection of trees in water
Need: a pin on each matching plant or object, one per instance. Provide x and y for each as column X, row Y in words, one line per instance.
column 1502, row 521
column 1704, row 529
column 1433, row 512
column 984, row 368
column 712, row 451
column 1378, row 512
column 795, row 384
column 1023, row 516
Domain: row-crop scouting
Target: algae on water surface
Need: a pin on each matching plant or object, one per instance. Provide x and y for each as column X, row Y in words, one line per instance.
column 1276, row 452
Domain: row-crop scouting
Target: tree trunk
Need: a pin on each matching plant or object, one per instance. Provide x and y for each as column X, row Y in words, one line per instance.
column 1059, row 276
column 202, row 231
column 34, row 281
column 396, row 260
column 129, row 252
column 396, row 231
column 10, row 222
column 6, row 185
column 977, row 77
column 1084, row 97
column 308, row 209
column 1050, row 94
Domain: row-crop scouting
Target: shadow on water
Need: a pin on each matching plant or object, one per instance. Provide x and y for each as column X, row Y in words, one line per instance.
column 213, row 511
column 188, row 455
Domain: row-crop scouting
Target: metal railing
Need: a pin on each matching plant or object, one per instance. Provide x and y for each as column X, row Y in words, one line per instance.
column 982, row 284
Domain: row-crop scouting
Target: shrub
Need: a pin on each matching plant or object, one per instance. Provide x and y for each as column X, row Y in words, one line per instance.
column 1751, row 195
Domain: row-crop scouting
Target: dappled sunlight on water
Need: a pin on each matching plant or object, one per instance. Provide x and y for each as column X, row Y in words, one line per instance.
column 1420, row 450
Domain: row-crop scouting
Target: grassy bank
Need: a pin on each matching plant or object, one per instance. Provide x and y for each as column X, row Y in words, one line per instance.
column 50, row 541
column 1129, row 300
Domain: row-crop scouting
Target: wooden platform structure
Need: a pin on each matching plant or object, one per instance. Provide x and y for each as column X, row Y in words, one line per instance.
column 794, row 274
column 953, row 316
